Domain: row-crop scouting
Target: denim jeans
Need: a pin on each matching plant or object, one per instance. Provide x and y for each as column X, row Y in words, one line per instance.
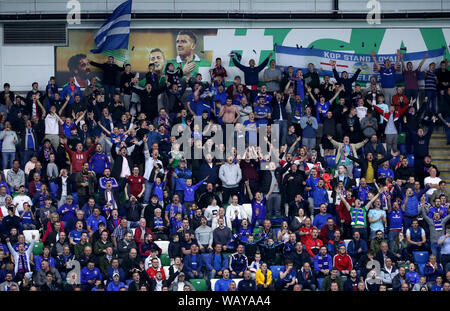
column 436, row 250
column 282, row 131
column 7, row 159
column 432, row 106
column 25, row 156
column 109, row 93
column 148, row 191
column 412, row 94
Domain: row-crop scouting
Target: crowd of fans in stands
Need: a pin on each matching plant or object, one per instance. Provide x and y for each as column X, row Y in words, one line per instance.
column 97, row 194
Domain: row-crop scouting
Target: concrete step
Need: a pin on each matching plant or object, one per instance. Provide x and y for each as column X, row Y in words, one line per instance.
column 442, row 165
column 437, row 134
column 439, row 142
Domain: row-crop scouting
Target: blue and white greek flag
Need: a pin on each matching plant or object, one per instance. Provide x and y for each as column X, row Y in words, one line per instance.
column 115, row 32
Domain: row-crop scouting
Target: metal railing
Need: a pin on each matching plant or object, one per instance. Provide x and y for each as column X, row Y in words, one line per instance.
column 231, row 6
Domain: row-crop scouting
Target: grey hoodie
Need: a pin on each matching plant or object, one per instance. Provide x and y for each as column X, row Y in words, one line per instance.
column 8, row 138
column 230, row 174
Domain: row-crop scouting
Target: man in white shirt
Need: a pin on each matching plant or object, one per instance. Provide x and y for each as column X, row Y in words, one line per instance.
column 236, row 212
column 52, row 121
column 20, row 199
column 432, row 181
column 150, row 161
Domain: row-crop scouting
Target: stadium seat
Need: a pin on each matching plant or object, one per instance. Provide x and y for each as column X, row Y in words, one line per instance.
column 164, row 245
column 199, row 284
column 38, row 248
column 357, row 171
column 330, row 195
column 248, row 210
column 410, row 159
column 346, row 242
column 165, row 260
column 420, row 257
column 213, row 283
column 237, row 281
column 404, row 265
column 29, row 233
column 276, row 271
column 394, row 161
column 257, row 230
column 331, row 161
column 166, row 271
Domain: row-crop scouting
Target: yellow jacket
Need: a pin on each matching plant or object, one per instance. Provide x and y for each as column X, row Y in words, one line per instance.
column 260, row 277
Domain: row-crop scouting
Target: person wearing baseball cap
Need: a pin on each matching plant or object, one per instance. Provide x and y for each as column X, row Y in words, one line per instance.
column 115, row 285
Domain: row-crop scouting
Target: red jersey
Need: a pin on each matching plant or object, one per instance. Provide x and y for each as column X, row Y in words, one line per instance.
column 313, row 246
column 342, row 262
column 152, row 272
column 78, row 158
column 136, row 184
column 308, row 235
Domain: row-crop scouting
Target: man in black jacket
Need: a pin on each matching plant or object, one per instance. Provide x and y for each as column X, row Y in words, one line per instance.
column 149, row 99
column 299, row 256
column 110, row 70
column 364, row 163
column 384, row 252
column 404, row 171
column 294, row 183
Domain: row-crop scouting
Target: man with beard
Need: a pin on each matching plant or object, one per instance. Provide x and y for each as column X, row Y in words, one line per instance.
column 86, row 182
column 186, row 43
column 79, row 69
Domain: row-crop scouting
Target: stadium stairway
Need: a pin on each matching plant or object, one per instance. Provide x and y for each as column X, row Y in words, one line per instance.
column 440, row 154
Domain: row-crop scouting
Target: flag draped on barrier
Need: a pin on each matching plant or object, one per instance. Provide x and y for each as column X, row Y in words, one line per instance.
column 299, row 58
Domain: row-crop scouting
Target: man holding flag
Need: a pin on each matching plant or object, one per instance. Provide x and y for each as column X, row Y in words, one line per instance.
column 113, row 35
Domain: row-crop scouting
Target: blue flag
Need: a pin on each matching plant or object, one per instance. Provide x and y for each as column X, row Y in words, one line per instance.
column 115, row 32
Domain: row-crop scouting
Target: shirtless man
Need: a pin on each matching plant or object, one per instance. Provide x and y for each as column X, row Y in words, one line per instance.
column 229, row 113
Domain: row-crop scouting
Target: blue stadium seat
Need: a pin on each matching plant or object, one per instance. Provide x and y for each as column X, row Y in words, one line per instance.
column 410, row 159
column 394, row 161
column 357, row 171
column 331, row 161
column 420, row 257
column 276, row 271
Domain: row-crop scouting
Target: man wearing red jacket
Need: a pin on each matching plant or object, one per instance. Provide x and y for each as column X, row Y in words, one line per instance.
column 78, row 157
column 342, row 261
column 141, row 231
column 313, row 244
column 306, row 230
column 400, row 100
column 327, row 231
column 344, row 214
